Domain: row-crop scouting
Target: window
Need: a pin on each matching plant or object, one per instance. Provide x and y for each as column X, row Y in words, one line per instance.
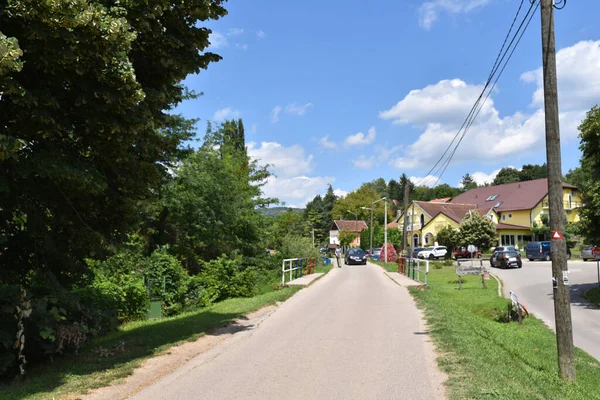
column 509, row 215
column 498, row 204
column 492, row 198
column 503, row 217
column 491, row 216
column 575, row 193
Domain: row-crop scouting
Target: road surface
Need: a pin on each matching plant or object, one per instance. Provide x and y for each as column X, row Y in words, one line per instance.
column 533, row 285
column 354, row 334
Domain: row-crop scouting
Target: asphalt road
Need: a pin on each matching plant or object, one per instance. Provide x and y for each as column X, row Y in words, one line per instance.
column 354, row 334
column 533, row 286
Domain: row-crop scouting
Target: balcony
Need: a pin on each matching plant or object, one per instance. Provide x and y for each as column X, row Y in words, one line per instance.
column 568, row 205
column 410, row 227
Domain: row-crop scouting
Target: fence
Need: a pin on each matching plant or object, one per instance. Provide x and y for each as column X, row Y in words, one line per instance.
column 297, row 264
column 414, row 268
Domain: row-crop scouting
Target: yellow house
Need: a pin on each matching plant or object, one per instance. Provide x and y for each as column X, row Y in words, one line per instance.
column 514, row 208
column 519, row 205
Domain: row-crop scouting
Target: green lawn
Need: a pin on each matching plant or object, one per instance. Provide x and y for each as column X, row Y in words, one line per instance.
column 593, row 296
column 489, row 359
column 128, row 347
column 389, row 266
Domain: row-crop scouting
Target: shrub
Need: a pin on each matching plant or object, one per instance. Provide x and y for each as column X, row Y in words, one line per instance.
column 161, row 267
column 224, row 277
column 294, row 246
column 392, row 256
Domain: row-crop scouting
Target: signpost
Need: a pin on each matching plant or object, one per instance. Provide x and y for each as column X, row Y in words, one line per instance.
column 557, row 236
column 598, row 269
column 471, row 269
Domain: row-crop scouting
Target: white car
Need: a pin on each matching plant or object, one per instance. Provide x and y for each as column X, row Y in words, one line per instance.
column 433, row 252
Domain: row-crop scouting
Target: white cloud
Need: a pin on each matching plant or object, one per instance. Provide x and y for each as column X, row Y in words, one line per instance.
column 235, row 31
column 446, row 102
column 430, row 10
column 294, row 109
column 578, row 79
column 260, row 34
column 275, row 114
column 285, row 161
column 242, row 46
column 440, row 109
column 253, row 128
column 298, row 190
column 481, row 178
column 217, row 40
column 340, row 192
column 290, row 166
column 361, row 138
column 385, row 153
column 326, row 143
column 428, row 180
column 364, row 162
column 225, row 113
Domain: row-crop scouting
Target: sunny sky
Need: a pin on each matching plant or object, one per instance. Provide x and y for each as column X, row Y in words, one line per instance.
column 344, row 92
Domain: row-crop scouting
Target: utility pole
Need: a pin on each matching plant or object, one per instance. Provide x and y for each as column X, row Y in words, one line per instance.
column 560, row 280
column 385, row 231
column 405, row 226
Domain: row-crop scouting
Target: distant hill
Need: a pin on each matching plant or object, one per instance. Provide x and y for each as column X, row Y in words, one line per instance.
column 272, row 212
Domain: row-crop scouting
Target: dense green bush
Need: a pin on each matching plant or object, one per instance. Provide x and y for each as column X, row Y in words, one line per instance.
column 294, row 246
column 225, row 277
column 166, row 279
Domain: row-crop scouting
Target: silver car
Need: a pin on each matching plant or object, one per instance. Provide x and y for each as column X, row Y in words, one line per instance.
column 589, row 253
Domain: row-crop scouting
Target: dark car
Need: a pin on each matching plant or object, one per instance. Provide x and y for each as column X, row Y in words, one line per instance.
column 355, row 256
column 323, row 250
column 461, row 252
column 541, row 251
column 416, row 251
column 506, row 259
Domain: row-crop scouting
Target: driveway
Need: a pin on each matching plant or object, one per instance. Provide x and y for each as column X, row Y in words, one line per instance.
column 354, row 334
column 533, row 285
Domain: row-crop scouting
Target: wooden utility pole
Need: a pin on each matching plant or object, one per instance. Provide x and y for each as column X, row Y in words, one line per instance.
column 404, row 228
column 560, row 280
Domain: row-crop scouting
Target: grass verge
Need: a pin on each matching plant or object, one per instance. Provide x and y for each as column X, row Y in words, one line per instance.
column 593, row 296
column 128, row 347
column 488, row 359
column 388, row 266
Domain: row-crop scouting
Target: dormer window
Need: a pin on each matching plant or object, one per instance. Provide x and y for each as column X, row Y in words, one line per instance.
column 492, row 197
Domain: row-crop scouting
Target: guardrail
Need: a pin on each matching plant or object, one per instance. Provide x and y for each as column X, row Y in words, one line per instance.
column 414, row 268
column 298, row 264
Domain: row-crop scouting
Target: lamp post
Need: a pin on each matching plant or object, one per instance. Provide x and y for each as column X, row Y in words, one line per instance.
column 384, row 226
column 355, row 222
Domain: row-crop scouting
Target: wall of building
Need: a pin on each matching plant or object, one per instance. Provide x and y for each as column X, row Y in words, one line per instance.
column 437, row 224
column 519, row 217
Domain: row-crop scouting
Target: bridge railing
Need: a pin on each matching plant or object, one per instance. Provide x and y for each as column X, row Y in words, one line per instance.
column 414, row 268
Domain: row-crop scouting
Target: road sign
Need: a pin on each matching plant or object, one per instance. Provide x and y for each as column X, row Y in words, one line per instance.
column 557, row 236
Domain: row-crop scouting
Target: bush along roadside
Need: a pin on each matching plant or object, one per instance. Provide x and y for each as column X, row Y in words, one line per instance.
column 486, row 354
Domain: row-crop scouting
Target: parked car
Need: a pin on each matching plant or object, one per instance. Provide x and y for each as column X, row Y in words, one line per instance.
column 375, row 253
column 416, row 251
column 355, row 256
column 461, row 252
column 506, row 259
column 590, row 253
column 323, row 250
column 541, row 251
column 433, row 252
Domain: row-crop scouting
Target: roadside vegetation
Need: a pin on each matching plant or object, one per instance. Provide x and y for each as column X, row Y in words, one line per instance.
column 593, row 296
column 487, row 355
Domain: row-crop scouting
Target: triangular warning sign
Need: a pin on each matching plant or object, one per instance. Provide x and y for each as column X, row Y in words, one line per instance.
column 557, row 236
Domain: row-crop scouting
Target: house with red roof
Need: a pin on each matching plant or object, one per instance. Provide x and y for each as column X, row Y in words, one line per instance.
column 515, row 208
column 339, row 227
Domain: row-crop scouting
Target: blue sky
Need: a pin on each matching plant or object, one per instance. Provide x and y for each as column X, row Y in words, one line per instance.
column 344, row 92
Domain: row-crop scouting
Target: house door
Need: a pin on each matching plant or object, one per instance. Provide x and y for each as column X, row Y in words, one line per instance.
column 415, row 240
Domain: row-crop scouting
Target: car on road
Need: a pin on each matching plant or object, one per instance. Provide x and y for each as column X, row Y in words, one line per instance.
column 507, row 248
column 590, row 253
column 461, row 252
column 541, row 251
column 506, row 259
column 433, row 252
column 355, row 256
column 414, row 253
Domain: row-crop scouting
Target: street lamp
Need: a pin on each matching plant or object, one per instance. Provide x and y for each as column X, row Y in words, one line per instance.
column 355, row 222
column 384, row 225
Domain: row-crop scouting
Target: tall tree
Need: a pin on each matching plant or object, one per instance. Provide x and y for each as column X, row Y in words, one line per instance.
column 530, row 172
column 507, row 175
column 478, row 231
column 87, row 132
column 589, row 175
column 468, row 182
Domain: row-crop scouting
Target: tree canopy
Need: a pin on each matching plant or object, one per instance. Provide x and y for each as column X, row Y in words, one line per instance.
column 588, row 176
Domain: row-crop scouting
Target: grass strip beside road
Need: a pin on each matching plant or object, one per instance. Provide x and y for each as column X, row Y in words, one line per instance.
column 388, row 266
column 117, row 354
column 486, row 358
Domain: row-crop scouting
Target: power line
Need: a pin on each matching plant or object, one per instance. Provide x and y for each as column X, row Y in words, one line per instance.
column 447, row 163
column 471, row 115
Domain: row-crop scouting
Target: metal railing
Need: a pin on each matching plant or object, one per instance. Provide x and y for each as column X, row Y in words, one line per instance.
column 414, row 268
column 567, row 204
column 295, row 264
